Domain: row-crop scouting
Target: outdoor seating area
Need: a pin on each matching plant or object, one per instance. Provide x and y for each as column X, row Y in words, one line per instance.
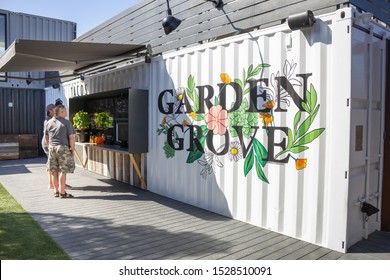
column 108, row 220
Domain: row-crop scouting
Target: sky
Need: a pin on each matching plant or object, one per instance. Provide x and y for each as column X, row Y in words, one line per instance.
column 86, row 13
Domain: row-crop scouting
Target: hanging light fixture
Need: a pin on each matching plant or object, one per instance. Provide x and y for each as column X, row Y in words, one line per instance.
column 170, row 23
column 216, row 3
column 28, row 80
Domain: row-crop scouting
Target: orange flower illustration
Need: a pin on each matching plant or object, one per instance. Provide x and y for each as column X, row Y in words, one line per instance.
column 164, row 120
column 267, row 118
column 300, row 163
column 225, row 78
column 269, row 104
column 217, row 120
column 193, row 115
column 185, row 123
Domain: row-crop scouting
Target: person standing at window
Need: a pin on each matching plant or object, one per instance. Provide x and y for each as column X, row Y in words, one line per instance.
column 50, row 111
column 60, row 134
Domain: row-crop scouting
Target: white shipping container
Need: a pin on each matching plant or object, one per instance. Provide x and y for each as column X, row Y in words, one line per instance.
column 278, row 110
column 278, row 128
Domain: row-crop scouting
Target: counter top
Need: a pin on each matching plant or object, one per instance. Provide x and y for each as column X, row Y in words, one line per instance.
column 115, row 148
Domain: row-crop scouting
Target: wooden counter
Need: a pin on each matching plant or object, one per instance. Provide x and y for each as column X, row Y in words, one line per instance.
column 113, row 162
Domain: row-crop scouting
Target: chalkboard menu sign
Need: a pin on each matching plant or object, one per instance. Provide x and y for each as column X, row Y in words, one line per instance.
column 121, row 106
column 116, row 106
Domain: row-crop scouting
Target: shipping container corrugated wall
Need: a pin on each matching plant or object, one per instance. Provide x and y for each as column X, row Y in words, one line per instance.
column 260, row 127
column 27, row 113
column 367, row 128
column 136, row 76
column 26, row 26
column 21, row 111
column 274, row 125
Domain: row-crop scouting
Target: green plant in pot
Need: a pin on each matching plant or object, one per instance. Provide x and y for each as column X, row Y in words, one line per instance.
column 103, row 120
column 81, row 122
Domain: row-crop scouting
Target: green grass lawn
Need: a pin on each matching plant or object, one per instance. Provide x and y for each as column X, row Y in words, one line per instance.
column 21, row 238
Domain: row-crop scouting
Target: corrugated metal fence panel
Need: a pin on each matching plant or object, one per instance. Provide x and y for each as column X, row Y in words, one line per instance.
column 299, row 203
column 25, row 115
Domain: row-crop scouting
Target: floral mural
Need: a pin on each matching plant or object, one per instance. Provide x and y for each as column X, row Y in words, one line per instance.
column 238, row 115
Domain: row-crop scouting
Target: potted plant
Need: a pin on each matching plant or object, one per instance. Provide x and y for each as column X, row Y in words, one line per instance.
column 81, row 122
column 103, row 121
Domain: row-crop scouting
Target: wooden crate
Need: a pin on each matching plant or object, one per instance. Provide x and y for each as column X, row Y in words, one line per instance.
column 9, row 151
column 27, row 146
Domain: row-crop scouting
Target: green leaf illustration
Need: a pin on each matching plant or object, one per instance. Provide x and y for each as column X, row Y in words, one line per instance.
column 305, row 107
column 191, row 82
column 260, row 172
column 250, row 69
column 297, row 150
column 308, row 101
column 257, row 70
column 196, row 153
column 314, row 114
column 192, row 94
column 238, row 81
column 169, row 151
column 290, row 139
column 249, row 161
column 243, row 118
column 303, row 128
column 297, row 118
column 313, row 96
column 306, row 139
column 195, row 107
column 199, row 117
column 261, row 152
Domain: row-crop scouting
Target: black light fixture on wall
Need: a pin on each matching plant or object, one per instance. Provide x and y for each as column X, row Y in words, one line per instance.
column 217, row 3
column 170, row 23
column 302, row 20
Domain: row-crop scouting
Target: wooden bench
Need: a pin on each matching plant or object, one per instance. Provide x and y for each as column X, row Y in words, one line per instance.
column 9, row 151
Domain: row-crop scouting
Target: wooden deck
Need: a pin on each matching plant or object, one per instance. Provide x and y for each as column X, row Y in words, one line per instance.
column 112, row 221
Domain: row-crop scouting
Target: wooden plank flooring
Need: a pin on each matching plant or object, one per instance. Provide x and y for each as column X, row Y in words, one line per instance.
column 109, row 220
